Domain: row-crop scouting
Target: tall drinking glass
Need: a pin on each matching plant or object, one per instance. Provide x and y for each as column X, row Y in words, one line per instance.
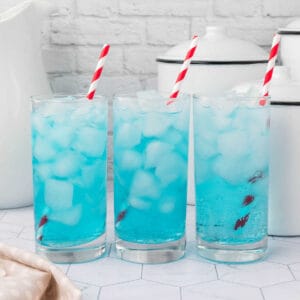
column 150, row 177
column 231, row 138
column 69, row 137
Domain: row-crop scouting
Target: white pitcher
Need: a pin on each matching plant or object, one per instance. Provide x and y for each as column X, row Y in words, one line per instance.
column 21, row 75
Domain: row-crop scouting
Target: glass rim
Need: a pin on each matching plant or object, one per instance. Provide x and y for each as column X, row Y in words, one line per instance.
column 61, row 98
column 133, row 95
column 236, row 98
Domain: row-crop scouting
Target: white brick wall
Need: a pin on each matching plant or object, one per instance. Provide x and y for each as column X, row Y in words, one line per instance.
column 139, row 30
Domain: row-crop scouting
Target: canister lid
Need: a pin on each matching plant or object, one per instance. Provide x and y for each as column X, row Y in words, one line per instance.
column 216, row 47
column 291, row 28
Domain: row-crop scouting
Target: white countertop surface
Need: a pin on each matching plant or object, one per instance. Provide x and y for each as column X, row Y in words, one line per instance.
column 191, row 278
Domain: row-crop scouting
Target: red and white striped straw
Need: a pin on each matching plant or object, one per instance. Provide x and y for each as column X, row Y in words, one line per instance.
column 98, row 72
column 43, row 221
column 183, row 70
column 270, row 68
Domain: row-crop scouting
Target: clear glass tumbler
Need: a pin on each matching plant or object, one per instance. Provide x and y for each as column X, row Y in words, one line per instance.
column 150, row 177
column 69, row 136
column 231, row 140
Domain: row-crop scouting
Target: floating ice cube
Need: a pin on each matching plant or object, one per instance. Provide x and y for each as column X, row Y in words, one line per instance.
column 43, row 150
column 182, row 120
column 39, row 124
column 154, row 153
column 167, row 205
column 205, row 148
column 233, row 143
column 139, row 203
column 58, row 194
column 128, row 135
column 173, row 137
column 70, row 216
column 155, row 124
column 171, row 167
column 93, row 174
column 230, row 169
column 202, row 170
column 221, row 121
column 144, row 184
column 130, row 160
column 90, row 141
column 43, row 171
column 67, row 164
column 61, row 136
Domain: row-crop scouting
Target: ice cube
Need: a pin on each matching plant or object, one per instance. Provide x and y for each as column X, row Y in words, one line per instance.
column 67, row 164
column 182, row 120
column 202, row 170
column 155, row 124
column 167, row 205
column 93, row 174
column 233, row 143
column 128, row 135
column 139, row 203
column 171, row 167
column 58, row 194
column 221, row 121
column 43, row 150
column 130, row 160
column 53, row 108
column 70, row 216
column 43, row 171
column 90, row 141
column 205, row 148
column 61, row 136
column 173, row 137
column 39, row 124
column 154, row 153
column 144, row 184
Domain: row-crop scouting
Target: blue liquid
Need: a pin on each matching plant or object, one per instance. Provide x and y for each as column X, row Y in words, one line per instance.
column 69, row 173
column 150, row 175
column 231, row 174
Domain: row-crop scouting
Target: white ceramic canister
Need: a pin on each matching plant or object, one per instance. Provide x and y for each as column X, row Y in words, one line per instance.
column 284, row 196
column 22, row 75
column 220, row 63
column 290, row 48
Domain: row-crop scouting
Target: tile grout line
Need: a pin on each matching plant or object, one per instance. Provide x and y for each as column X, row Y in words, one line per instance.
column 262, row 294
column 180, row 293
column 142, row 269
column 99, row 293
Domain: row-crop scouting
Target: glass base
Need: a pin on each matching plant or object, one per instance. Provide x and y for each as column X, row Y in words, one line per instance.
column 75, row 254
column 150, row 253
column 232, row 253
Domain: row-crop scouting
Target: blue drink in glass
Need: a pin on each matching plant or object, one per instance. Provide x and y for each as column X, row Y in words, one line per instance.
column 69, row 137
column 150, row 177
column 231, row 173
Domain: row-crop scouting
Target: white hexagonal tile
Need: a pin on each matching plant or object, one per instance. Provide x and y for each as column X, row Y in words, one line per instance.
column 105, row 271
column 283, row 291
column 27, row 233
column 139, row 290
column 258, row 274
column 88, row 292
column 295, row 269
column 293, row 240
column 180, row 273
column 218, row 290
column 283, row 252
column 8, row 227
column 20, row 243
column 20, row 216
column 63, row 267
column 2, row 213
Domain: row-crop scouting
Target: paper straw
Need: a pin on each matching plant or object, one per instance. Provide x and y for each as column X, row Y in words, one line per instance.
column 98, row 72
column 183, row 70
column 270, row 68
column 43, row 221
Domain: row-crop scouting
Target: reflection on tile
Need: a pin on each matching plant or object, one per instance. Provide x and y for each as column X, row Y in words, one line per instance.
column 295, row 269
column 20, row 216
column 180, row 273
column 257, row 274
column 218, row 290
column 284, row 291
column 283, row 252
column 140, row 290
column 89, row 292
column 105, row 271
column 295, row 240
column 63, row 267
